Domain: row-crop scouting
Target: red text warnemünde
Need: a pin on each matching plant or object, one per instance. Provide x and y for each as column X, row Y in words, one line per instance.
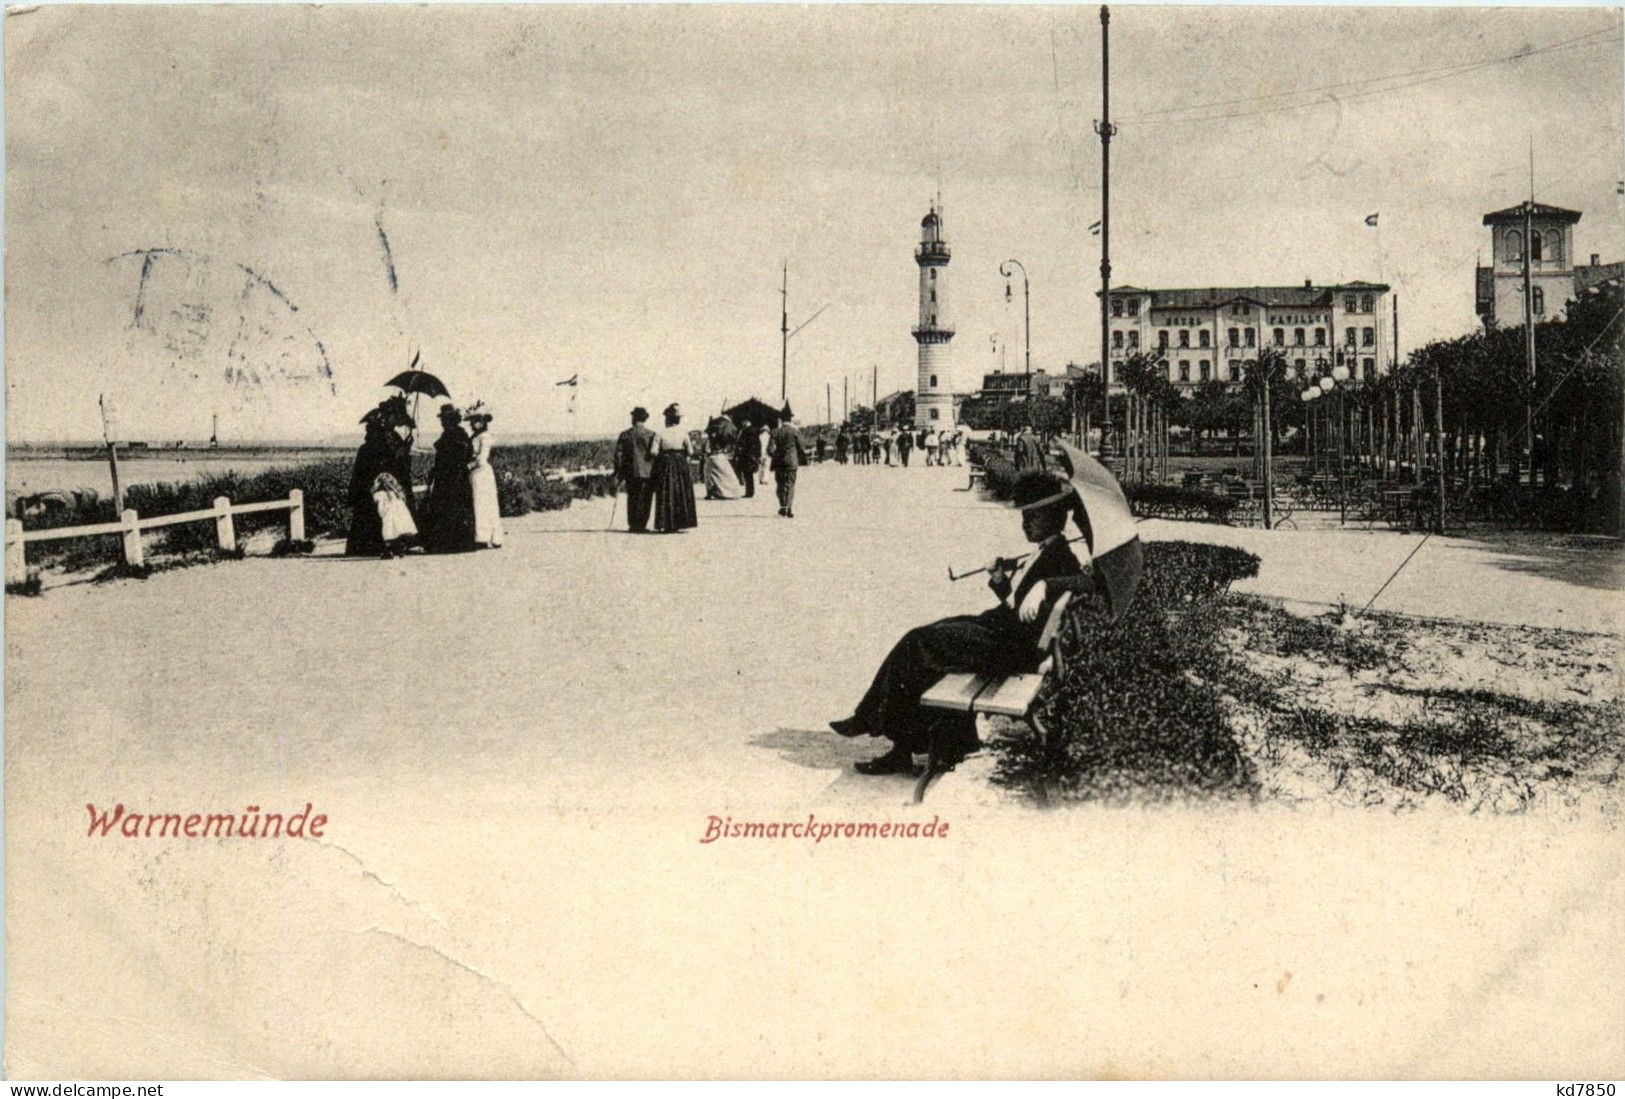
column 814, row 830
column 249, row 824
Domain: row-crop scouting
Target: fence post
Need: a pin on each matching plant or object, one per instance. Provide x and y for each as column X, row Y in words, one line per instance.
column 133, row 556
column 223, row 526
column 296, row 516
column 16, row 563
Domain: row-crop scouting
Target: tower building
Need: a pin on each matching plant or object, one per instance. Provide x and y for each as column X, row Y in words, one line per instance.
column 934, row 389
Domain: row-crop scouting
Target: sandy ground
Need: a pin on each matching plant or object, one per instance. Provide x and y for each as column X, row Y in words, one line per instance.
column 519, row 751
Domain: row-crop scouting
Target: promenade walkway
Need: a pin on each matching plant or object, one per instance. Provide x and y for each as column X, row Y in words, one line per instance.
column 519, row 751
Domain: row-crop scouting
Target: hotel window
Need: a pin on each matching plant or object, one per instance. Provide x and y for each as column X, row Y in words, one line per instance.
column 1535, row 246
column 934, row 413
column 1303, row 371
column 1201, row 338
column 1184, row 337
column 1235, row 337
column 1320, row 337
column 1235, row 369
column 1184, row 370
column 1514, row 245
column 1348, row 303
column 1117, row 340
column 1540, row 301
column 1133, row 341
column 1348, row 336
column 1554, row 246
column 1368, row 337
column 1162, row 339
column 1297, row 337
column 1134, row 307
column 1368, row 367
column 933, row 381
column 1249, row 337
column 1203, row 367
column 1117, row 307
column 1365, row 303
column 1280, row 337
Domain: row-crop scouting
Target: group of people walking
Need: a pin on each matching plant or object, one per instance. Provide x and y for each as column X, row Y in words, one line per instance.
column 458, row 513
column 936, row 448
column 653, row 466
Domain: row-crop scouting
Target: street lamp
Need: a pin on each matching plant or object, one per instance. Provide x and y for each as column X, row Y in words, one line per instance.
column 1027, row 304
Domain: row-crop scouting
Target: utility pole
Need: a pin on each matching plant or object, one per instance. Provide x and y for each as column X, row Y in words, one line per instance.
column 829, row 413
column 846, row 407
column 1105, row 129
column 784, row 334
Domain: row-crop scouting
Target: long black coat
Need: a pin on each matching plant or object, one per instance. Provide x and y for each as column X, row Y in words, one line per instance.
column 383, row 451
column 448, row 510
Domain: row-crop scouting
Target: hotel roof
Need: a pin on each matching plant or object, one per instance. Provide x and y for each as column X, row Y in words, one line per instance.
column 1211, row 297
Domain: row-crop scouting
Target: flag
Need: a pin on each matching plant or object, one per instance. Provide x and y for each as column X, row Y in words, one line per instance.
column 1372, row 221
column 571, row 380
column 1094, row 230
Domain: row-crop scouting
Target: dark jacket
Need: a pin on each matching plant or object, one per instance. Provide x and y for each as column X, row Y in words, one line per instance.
column 1058, row 566
column 748, row 450
column 634, row 454
column 784, row 448
column 1029, row 451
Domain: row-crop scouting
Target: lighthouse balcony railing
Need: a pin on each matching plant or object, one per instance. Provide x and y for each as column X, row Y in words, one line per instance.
column 939, row 330
column 932, row 248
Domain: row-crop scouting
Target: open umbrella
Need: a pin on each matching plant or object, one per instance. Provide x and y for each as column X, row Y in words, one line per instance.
column 413, row 380
column 1107, row 522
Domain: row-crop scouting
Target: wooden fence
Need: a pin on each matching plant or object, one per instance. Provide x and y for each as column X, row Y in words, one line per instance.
column 130, row 525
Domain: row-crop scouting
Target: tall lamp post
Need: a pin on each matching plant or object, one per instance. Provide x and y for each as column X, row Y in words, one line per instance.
column 1258, row 371
column 1027, row 306
column 1337, row 380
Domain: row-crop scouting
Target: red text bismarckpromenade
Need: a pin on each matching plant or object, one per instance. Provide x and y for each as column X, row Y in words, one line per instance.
column 814, row 830
column 249, row 824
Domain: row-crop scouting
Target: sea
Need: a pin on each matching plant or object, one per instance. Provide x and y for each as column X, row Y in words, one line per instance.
column 31, row 470
column 34, row 468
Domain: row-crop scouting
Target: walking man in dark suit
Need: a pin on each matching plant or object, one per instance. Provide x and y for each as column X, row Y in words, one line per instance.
column 786, row 455
column 748, row 457
column 634, row 467
column 1029, row 450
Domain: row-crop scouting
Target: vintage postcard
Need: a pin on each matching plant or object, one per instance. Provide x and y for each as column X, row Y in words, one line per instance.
column 741, row 541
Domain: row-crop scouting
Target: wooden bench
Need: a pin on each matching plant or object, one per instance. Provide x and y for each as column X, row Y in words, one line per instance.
column 1004, row 695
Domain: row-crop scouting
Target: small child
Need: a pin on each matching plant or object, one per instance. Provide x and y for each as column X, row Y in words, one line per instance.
column 393, row 514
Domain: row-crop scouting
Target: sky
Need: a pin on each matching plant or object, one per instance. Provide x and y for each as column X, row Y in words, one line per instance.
column 264, row 213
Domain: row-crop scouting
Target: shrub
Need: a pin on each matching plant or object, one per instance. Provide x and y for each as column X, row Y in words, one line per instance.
column 523, row 485
column 1138, row 711
column 1153, row 501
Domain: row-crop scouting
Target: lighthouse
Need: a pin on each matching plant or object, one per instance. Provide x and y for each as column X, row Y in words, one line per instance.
column 934, row 389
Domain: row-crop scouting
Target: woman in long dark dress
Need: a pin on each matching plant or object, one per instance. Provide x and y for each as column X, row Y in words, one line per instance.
column 382, row 451
column 673, row 480
column 448, row 510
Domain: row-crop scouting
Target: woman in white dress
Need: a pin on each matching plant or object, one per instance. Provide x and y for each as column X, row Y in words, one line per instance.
column 483, row 479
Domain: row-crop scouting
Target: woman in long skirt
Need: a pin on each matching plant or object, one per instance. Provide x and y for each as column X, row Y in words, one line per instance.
column 673, row 481
column 448, row 512
column 384, row 451
column 482, row 480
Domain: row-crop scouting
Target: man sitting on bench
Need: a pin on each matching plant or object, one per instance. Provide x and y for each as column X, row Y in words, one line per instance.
column 1000, row 641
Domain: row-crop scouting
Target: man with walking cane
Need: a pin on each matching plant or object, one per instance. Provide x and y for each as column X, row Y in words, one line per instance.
column 634, row 468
